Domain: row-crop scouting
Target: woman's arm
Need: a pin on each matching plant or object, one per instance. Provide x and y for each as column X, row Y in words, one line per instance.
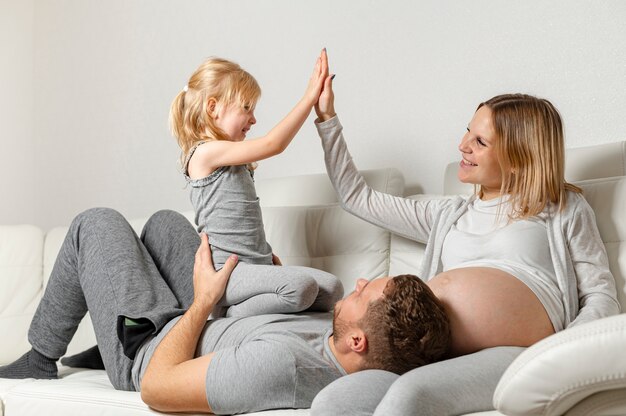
column 215, row 154
column 402, row 216
column 597, row 295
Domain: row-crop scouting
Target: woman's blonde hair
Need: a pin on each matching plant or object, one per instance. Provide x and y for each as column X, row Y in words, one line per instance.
column 530, row 148
column 216, row 78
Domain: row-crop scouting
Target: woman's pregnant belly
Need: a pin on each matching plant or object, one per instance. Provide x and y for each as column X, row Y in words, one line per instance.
column 489, row 307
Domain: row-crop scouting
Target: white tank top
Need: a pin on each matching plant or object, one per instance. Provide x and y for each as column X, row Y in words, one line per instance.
column 481, row 238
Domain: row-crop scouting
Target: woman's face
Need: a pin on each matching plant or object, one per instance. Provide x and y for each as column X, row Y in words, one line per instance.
column 479, row 164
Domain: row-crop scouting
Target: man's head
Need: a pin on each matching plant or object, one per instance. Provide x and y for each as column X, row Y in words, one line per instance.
column 391, row 323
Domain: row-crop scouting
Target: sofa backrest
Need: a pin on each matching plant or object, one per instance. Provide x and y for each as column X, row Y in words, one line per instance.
column 307, row 227
column 607, row 197
column 316, row 189
column 21, row 257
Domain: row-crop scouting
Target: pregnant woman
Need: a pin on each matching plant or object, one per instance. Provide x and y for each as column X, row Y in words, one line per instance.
column 517, row 261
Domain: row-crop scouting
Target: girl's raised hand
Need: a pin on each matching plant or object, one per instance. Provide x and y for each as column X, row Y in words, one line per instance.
column 316, row 83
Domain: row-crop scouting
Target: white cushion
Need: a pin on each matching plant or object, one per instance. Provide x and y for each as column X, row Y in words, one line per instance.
column 86, row 392
column 607, row 197
column 316, row 189
column 21, row 254
column 556, row 373
column 595, row 162
column 605, row 403
column 330, row 239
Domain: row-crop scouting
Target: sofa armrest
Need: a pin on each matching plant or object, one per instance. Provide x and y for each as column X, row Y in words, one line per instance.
column 564, row 369
column 605, row 403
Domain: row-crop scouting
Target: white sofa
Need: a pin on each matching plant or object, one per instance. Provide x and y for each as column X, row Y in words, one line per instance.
column 576, row 372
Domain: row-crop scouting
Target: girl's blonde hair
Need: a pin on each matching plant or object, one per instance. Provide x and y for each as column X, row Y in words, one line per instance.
column 216, row 78
column 530, row 148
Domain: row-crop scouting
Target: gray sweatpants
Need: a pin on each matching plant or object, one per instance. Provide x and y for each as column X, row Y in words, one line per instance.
column 105, row 268
column 457, row 386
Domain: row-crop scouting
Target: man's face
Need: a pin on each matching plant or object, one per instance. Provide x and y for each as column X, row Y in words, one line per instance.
column 353, row 307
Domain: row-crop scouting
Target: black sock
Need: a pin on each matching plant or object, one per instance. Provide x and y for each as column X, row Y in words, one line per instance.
column 90, row 358
column 30, row 365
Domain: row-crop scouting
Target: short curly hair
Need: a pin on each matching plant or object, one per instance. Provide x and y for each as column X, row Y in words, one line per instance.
column 406, row 328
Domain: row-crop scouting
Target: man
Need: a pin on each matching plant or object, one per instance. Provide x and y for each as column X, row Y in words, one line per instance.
column 150, row 308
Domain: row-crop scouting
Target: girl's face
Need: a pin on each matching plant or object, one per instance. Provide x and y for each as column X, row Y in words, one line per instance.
column 235, row 121
column 480, row 163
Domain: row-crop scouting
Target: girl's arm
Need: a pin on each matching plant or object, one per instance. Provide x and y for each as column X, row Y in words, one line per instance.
column 597, row 295
column 215, row 154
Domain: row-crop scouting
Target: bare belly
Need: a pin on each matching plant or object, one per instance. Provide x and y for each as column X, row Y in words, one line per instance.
column 488, row 307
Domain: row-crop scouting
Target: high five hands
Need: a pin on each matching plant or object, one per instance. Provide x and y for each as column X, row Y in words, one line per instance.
column 325, row 105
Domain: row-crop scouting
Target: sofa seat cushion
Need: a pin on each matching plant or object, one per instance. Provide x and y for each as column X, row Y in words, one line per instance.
column 6, row 385
column 76, row 392
column 84, row 392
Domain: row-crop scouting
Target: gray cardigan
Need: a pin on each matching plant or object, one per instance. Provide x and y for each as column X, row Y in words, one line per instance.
column 580, row 262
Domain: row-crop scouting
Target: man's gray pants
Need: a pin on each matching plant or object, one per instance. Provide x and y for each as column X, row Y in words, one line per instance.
column 103, row 267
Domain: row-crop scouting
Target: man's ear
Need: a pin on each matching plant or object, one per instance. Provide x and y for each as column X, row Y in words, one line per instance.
column 357, row 341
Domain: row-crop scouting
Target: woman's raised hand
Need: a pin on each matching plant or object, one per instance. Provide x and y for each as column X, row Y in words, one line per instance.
column 316, row 83
column 325, row 105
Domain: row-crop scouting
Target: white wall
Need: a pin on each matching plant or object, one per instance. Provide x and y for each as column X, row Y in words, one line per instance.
column 409, row 76
column 17, row 164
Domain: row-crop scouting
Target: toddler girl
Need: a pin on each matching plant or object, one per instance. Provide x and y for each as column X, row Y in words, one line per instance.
column 210, row 119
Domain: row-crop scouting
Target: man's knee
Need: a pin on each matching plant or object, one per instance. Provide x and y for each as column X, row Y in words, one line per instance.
column 161, row 221
column 97, row 215
column 165, row 216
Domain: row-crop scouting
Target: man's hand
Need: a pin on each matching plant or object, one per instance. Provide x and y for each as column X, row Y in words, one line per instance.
column 209, row 285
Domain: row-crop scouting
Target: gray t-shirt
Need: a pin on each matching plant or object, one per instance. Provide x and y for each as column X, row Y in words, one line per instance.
column 260, row 362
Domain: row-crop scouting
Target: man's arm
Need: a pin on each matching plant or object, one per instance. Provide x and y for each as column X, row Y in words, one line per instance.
column 174, row 380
